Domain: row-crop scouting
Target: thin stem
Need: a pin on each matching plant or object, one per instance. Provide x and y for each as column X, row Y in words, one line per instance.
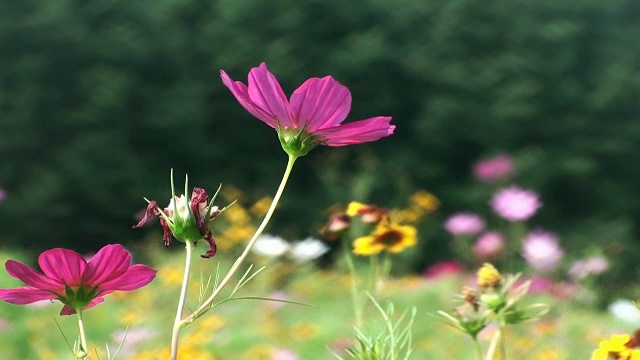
column 83, row 338
column 246, row 251
column 476, row 345
column 177, row 324
column 503, row 343
column 354, row 284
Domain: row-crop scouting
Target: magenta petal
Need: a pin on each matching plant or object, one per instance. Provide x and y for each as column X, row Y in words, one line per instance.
column 63, row 264
column 240, row 91
column 136, row 277
column 31, row 277
column 320, row 103
column 265, row 91
column 25, row 295
column 357, row 132
column 109, row 263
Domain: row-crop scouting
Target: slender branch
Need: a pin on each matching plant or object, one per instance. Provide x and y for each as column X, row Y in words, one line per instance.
column 183, row 294
column 247, row 249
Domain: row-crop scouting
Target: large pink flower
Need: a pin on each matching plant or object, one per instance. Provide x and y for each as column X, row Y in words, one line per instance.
column 78, row 284
column 515, row 204
column 313, row 115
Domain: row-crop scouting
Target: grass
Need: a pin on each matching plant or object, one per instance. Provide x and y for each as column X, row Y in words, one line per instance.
column 253, row 329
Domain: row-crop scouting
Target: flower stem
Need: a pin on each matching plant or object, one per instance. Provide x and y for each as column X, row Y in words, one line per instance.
column 503, row 342
column 354, row 284
column 476, row 345
column 83, row 338
column 177, row 324
column 207, row 303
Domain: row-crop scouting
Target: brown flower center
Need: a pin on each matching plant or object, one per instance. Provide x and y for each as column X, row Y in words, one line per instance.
column 389, row 238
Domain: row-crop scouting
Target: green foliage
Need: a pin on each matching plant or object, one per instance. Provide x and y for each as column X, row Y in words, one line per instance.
column 98, row 100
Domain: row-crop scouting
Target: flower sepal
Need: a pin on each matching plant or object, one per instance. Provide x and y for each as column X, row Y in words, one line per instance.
column 296, row 142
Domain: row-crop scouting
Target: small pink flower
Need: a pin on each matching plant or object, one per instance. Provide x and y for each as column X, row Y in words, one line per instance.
column 442, row 269
column 496, row 168
column 542, row 250
column 515, row 204
column 78, row 284
column 591, row 266
column 464, row 223
column 3, row 195
column 312, row 116
column 284, row 354
column 489, row 245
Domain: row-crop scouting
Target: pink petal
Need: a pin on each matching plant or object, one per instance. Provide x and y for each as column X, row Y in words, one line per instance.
column 33, row 278
column 66, row 310
column 357, row 132
column 266, row 93
column 240, row 91
column 63, row 264
column 320, row 103
column 109, row 263
column 136, row 277
column 25, row 295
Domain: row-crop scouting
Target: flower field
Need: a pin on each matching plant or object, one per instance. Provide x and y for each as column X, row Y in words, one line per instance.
column 256, row 329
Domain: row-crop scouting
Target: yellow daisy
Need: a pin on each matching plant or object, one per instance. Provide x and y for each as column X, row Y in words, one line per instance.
column 387, row 236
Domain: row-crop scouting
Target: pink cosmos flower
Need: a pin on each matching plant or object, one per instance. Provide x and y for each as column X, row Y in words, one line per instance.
column 442, row 269
column 78, row 284
column 313, row 115
column 515, row 204
column 464, row 223
column 580, row 269
column 496, row 168
column 489, row 245
column 3, row 195
column 542, row 250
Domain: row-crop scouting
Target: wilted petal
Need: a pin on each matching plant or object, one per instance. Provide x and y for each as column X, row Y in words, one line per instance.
column 213, row 248
column 265, row 91
column 357, row 132
column 63, row 264
column 25, row 295
column 320, row 103
column 151, row 211
column 240, row 91
column 136, row 277
column 31, row 277
column 109, row 263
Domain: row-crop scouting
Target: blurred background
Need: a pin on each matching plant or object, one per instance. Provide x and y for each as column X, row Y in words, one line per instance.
column 99, row 100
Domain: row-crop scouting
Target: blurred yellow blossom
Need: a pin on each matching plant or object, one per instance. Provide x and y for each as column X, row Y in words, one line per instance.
column 387, row 236
column 406, row 216
column 619, row 347
column 237, row 215
column 425, row 201
column 489, row 276
column 261, row 206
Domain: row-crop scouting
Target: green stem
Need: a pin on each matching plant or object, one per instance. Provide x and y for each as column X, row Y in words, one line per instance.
column 83, row 338
column 503, row 343
column 354, row 284
column 205, row 305
column 177, row 324
column 476, row 345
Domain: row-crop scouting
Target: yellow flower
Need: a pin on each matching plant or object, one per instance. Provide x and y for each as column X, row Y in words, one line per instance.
column 616, row 346
column 261, row 207
column 425, row 201
column 370, row 214
column 489, row 276
column 387, row 236
column 410, row 215
column 237, row 215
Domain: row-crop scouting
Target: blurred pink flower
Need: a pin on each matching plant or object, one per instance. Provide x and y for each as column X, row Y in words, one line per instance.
column 3, row 195
column 515, row 204
column 591, row 266
column 496, row 168
column 489, row 245
column 542, row 250
column 284, row 354
column 78, row 284
column 464, row 223
column 312, row 116
column 442, row 269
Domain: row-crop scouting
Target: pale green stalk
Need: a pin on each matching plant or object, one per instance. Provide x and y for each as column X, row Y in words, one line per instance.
column 83, row 338
column 476, row 345
column 207, row 303
column 354, row 285
column 177, row 324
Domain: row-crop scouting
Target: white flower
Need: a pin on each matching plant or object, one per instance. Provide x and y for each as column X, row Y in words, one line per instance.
column 270, row 246
column 307, row 250
column 626, row 311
